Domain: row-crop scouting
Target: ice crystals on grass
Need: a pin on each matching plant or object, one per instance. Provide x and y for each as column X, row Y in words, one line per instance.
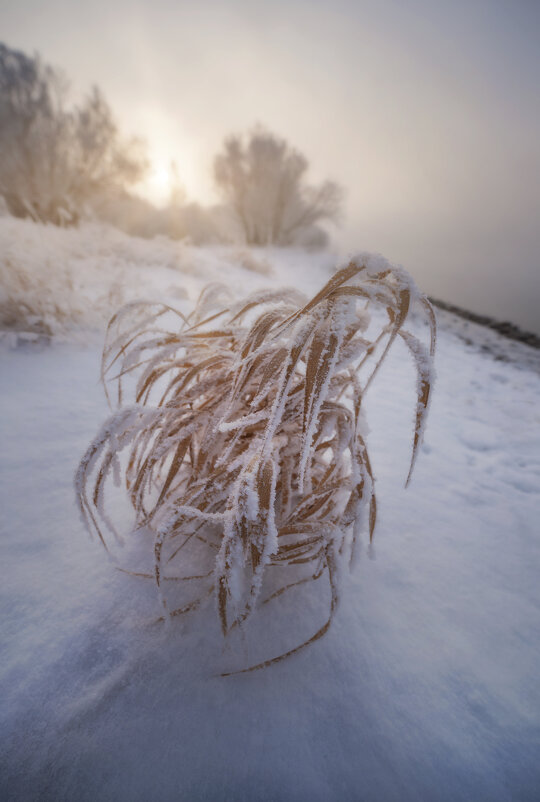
column 244, row 448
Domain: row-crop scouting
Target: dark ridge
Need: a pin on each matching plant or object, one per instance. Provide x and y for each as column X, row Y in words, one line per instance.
column 505, row 328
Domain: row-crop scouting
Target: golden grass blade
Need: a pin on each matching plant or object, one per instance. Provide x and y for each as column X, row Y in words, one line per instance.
column 425, row 372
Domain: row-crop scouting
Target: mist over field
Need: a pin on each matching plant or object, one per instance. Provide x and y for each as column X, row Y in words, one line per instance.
column 426, row 114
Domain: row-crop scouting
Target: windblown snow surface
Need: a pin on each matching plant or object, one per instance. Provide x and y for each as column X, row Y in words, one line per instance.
column 427, row 685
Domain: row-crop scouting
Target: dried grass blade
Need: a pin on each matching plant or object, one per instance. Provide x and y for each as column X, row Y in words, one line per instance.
column 424, row 368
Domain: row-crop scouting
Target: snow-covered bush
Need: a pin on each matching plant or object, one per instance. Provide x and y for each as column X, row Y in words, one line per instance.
column 245, row 442
column 262, row 180
column 57, row 282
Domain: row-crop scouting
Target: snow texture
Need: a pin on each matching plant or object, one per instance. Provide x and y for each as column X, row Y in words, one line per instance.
column 426, row 686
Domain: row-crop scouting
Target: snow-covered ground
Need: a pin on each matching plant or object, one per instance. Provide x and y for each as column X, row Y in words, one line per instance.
column 426, row 687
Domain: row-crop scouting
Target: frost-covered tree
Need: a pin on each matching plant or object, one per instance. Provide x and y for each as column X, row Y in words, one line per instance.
column 263, row 180
column 55, row 160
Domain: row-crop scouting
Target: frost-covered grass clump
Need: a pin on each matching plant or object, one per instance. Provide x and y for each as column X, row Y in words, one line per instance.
column 240, row 437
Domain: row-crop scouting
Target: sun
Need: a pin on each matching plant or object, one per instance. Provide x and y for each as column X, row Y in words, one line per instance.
column 158, row 184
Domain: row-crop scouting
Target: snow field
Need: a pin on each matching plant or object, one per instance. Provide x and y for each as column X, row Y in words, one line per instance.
column 427, row 684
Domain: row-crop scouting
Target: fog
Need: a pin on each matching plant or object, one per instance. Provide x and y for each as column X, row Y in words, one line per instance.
column 428, row 113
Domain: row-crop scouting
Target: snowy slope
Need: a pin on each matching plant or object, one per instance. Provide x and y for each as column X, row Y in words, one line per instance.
column 427, row 686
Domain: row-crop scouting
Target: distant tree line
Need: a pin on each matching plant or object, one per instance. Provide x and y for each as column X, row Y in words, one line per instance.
column 61, row 162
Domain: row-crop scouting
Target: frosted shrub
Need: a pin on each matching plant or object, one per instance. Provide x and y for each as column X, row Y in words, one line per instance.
column 244, row 437
column 65, row 283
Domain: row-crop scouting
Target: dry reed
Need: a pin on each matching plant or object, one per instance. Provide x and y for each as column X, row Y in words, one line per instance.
column 245, row 437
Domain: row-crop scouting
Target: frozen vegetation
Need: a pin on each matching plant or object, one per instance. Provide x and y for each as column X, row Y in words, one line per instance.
column 245, row 435
column 427, row 684
column 66, row 283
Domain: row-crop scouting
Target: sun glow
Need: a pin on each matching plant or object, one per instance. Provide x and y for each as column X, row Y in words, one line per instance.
column 175, row 179
column 159, row 182
column 171, row 144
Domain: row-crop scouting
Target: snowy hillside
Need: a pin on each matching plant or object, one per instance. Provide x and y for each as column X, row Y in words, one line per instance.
column 426, row 687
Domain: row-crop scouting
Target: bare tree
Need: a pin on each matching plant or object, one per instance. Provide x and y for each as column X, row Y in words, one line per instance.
column 54, row 160
column 263, row 181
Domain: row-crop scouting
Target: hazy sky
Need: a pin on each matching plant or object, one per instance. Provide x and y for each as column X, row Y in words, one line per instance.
column 427, row 112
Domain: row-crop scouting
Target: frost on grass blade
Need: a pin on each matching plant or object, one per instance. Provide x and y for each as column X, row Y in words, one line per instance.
column 244, row 448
